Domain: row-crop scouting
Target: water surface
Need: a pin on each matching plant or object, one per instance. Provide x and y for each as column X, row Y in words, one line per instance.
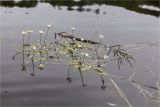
column 117, row 21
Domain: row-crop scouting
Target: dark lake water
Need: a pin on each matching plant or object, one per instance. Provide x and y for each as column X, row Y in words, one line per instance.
column 124, row 22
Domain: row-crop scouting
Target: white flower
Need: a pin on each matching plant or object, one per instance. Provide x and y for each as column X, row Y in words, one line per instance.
column 73, row 28
column 89, row 66
column 41, row 32
column 49, row 26
column 106, row 56
column 82, row 53
column 82, row 39
column 86, row 54
column 101, row 36
column 24, row 33
column 74, row 38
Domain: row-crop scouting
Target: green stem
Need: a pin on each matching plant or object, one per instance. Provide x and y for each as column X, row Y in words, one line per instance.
column 40, row 49
column 99, row 66
column 98, row 58
column 69, row 71
column 28, row 41
column 46, row 35
column 33, row 71
column 102, row 79
column 28, row 37
column 81, row 77
column 23, row 50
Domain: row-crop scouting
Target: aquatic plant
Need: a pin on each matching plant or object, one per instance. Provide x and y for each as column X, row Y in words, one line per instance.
column 82, row 55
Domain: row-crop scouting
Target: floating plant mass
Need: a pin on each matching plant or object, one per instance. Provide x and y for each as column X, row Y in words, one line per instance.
column 81, row 54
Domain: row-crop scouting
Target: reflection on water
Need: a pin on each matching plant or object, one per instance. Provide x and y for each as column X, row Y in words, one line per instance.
column 133, row 5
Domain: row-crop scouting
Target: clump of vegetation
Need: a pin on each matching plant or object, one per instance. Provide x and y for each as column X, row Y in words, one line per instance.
column 83, row 55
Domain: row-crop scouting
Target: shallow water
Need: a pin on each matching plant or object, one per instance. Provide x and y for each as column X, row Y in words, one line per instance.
column 118, row 24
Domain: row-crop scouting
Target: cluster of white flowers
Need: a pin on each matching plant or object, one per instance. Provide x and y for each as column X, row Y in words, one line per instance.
column 101, row 36
column 30, row 31
column 25, row 32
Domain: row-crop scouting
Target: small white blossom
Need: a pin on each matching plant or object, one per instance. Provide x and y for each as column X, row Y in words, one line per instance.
column 24, row 33
column 74, row 38
column 89, row 66
column 106, row 56
column 49, row 26
column 86, row 54
column 101, row 36
column 82, row 53
column 73, row 28
column 82, row 39
column 41, row 32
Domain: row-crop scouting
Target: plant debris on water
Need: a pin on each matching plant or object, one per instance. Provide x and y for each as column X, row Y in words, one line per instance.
column 83, row 55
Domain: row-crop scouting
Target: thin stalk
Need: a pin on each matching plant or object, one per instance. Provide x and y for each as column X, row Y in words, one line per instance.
column 23, row 65
column 82, row 77
column 23, row 49
column 102, row 79
column 72, row 32
column 40, row 49
column 98, row 58
column 13, row 57
column 46, row 35
column 69, row 78
column 103, row 86
column 33, row 66
column 80, row 71
column 118, row 89
column 69, row 71
column 28, row 41
column 28, row 37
